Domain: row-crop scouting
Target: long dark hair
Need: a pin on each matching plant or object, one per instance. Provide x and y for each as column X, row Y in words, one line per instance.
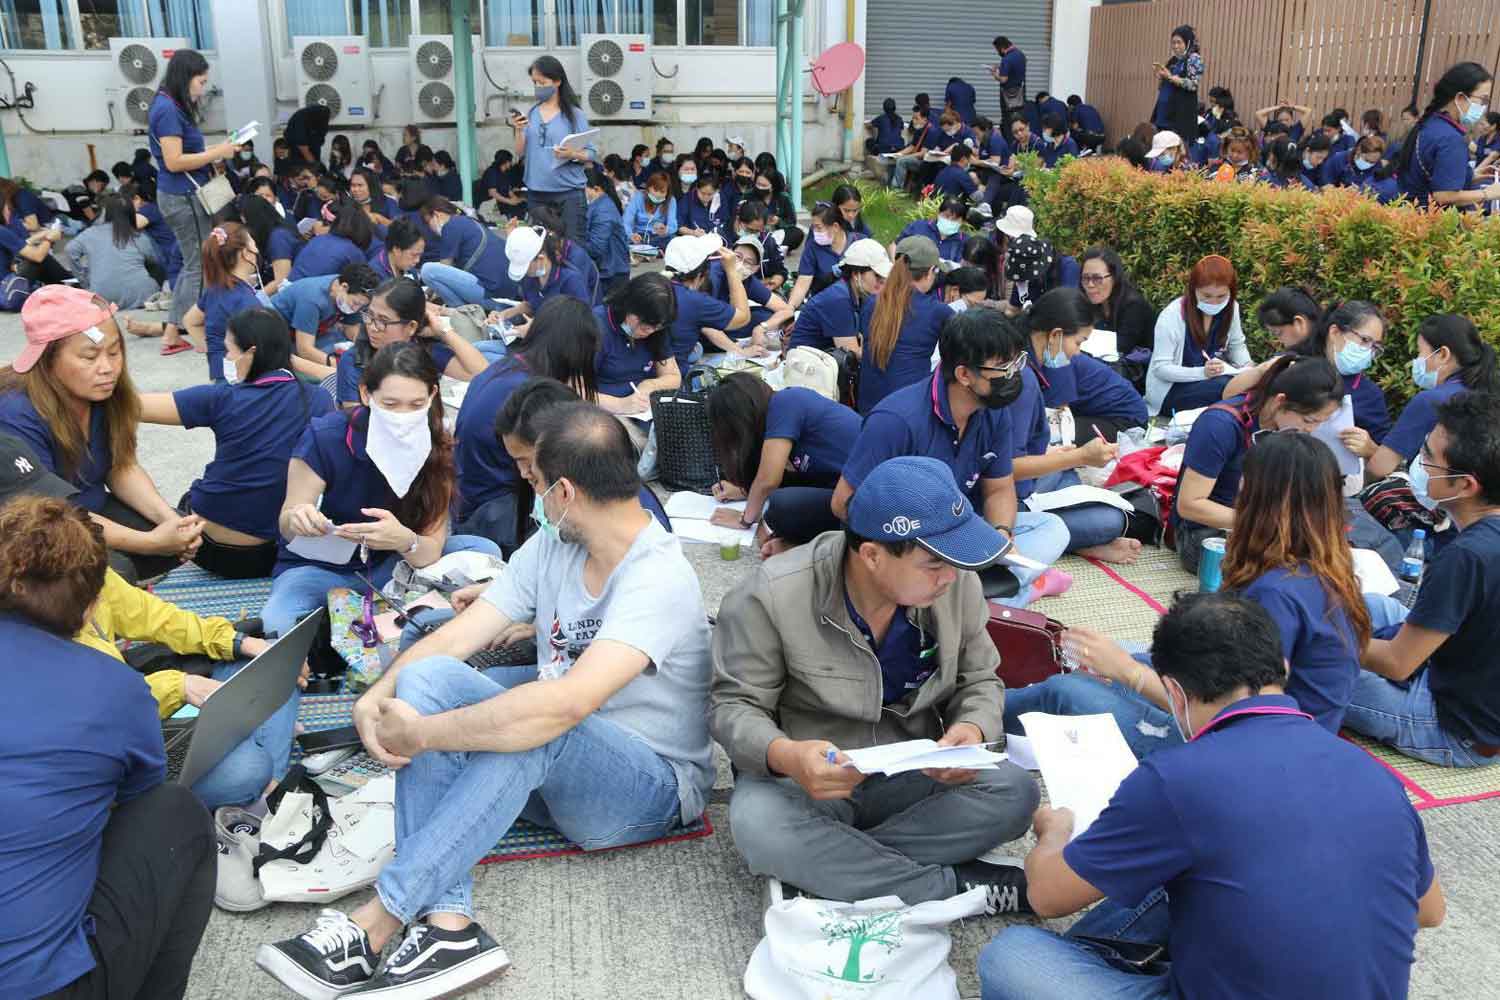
column 1309, row 384
column 551, row 68
column 561, row 344
column 981, row 252
column 1460, row 79
column 265, row 332
column 1121, row 290
column 405, row 298
column 372, row 181
column 426, row 504
column 119, row 213
column 1344, row 315
column 841, row 194
column 1285, row 304
column 181, row 68
column 650, row 297
column 1475, row 358
column 737, row 410
column 596, row 178
column 262, row 219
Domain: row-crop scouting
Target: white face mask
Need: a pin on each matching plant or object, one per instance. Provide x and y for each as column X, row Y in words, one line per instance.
column 280, row 209
column 344, row 306
column 399, row 444
column 231, row 372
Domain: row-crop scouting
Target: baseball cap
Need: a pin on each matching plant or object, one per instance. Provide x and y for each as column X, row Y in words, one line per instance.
column 1018, row 220
column 521, row 248
column 23, row 474
column 1163, row 141
column 751, row 240
column 867, row 253
column 685, row 254
column 920, row 252
column 56, row 312
column 734, row 140
column 915, row 499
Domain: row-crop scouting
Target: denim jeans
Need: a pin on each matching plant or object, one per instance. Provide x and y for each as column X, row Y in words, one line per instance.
column 598, row 784
column 1404, row 716
column 302, row 590
column 1040, row 537
column 455, row 286
column 1088, row 525
column 1146, row 728
column 246, row 770
column 904, row 166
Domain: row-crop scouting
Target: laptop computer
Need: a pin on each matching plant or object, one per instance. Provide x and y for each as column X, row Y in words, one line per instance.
column 195, row 745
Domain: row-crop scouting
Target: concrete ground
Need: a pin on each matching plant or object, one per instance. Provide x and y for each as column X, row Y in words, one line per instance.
column 679, row 922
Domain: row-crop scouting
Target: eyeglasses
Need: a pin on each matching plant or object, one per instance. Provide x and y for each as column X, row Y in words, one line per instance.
column 1009, row 370
column 375, row 321
column 1093, row 279
column 1374, row 346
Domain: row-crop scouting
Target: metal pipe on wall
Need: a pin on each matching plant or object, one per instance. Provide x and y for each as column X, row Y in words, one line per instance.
column 463, row 78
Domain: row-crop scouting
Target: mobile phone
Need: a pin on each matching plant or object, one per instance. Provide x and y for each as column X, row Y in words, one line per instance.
column 328, row 739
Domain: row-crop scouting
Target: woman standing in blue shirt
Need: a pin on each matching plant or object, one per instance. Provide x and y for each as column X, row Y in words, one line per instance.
column 184, row 164
column 1433, row 165
column 554, row 173
column 1177, row 95
column 379, row 478
column 258, row 412
column 346, row 242
column 651, row 216
column 902, row 323
column 606, row 239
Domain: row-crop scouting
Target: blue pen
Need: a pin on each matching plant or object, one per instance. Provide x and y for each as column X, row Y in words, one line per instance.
column 832, row 755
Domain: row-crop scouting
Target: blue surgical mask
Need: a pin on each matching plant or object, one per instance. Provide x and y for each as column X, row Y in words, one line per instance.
column 1353, row 358
column 947, row 227
column 1049, row 138
column 1417, row 473
column 1164, row 161
column 1058, row 360
column 1474, row 113
column 1361, row 164
column 1420, row 374
column 544, row 91
column 688, row 179
column 539, row 515
column 1211, row 308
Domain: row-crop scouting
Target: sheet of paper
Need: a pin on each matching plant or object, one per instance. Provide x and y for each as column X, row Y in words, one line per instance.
column 1083, row 759
column 712, row 534
column 578, row 140
column 1328, row 431
column 1103, row 344
column 1075, row 496
column 917, row 755
column 329, row 548
column 1018, row 749
column 1375, row 577
column 373, row 835
column 245, row 133
column 697, row 506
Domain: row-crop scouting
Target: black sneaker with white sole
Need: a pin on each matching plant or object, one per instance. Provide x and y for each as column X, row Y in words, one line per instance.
column 433, row 963
column 1004, row 886
column 326, row 962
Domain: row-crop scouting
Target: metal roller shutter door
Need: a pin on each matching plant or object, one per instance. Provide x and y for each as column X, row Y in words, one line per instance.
column 915, row 47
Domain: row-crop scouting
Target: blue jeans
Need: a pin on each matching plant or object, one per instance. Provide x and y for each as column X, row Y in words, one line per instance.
column 1042, row 537
column 1029, row 963
column 598, row 784
column 301, row 590
column 432, row 618
column 456, row 286
column 246, row 770
column 1404, row 716
column 1089, row 525
column 1146, row 727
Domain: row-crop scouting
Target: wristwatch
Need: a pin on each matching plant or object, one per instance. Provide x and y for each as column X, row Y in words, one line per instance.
column 416, row 540
column 237, row 651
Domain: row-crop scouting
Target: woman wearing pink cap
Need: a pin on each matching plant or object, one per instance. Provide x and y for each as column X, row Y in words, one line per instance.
column 69, row 396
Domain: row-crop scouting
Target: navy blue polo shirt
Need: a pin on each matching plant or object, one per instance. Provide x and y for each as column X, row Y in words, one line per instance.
column 818, row 261
column 1103, row 392
column 695, row 310
column 1370, row 411
column 1244, row 907
column 1216, row 448
column 1030, row 432
column 379, row 260
column 11, row 243
column 888, row 133
column 905, row 655
column 1316, row 639
column 1419, row 418
column 955, row 182
column 167, row 118
column 830, row 313
column 1460, row 597
column 284, row 244
column 995, row 147
column 949, row 247
column 623, row 361
column 81, row 736
column 1086, row 117
column 1055, row 151
column 1013, row 68
column 563, row 280
column 333, row 447
column 1384, row 189
column 911, row 357
column 755, row 290
column 485, row 468
column 255, row 425
column 326, row 254
column 308, row 307
column 350, row 370
column 1205, row 149
column 219, row 306
column 821, row 431
column 459, row 239
column 693, row 214
column 20, row 418
column 917, row 420
column 1059, row 385
column 1440, row 162
column 960, row 94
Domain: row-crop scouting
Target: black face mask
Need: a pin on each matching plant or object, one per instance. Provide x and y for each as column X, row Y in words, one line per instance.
column 1003, row 392
column 745, row 183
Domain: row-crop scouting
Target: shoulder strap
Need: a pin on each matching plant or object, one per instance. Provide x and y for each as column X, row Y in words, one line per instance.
column 304, row 850
column 484, row 241
column 1241, row 416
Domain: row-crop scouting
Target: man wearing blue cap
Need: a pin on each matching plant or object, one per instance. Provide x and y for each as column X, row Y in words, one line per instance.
column 871, row 635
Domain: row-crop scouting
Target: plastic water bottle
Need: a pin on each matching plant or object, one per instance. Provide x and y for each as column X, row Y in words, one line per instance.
column 1416, row 555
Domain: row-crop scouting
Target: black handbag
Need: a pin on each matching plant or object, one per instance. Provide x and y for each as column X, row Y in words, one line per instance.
column 684, row 447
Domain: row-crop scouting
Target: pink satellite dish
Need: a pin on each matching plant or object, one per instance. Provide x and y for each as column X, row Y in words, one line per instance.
column 838, row 68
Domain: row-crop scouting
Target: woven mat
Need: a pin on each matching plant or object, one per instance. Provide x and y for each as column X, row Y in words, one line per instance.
column 1101, row 598
column 1429, row 786
column 524, row 840
column 203, row 593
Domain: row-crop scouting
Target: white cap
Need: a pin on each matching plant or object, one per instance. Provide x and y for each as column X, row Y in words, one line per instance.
column 868, row 253
column 1018, row 220
column 1163, row 141
column 521, row 248
column 751, row 240
column 735, row 140
column 685, row 254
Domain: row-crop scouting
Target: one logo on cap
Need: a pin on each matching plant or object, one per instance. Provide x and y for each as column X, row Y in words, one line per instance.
column 23, row 466
column 958, row 508
column 902, row 525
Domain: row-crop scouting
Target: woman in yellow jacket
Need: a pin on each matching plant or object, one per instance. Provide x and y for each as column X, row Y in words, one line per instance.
column 127, row 612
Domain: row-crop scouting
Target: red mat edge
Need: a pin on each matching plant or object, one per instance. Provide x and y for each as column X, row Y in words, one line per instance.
column 707, row 831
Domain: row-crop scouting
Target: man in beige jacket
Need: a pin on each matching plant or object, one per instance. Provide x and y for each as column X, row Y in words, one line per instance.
column 864, row 637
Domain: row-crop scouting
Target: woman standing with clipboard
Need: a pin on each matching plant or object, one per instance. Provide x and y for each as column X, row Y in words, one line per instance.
column 183, row 164
column 554, row 173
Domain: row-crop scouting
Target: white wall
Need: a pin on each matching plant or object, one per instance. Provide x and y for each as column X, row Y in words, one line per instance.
column 1070, row 47
column 713, row 91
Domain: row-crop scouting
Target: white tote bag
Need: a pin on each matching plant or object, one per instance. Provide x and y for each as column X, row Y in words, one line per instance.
column 361, row 840
column 878, row 949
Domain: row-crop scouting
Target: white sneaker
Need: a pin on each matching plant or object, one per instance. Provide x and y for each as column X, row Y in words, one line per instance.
column 237, row 889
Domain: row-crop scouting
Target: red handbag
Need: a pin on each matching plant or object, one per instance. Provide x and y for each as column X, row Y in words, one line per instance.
column 1030, row 645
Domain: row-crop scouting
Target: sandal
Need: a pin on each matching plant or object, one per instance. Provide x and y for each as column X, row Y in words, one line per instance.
column 167, row 350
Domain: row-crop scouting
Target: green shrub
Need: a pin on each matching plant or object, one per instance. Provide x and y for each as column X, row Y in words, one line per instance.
column 1335, row 242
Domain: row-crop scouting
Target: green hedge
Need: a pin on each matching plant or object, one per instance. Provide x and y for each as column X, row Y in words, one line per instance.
column 1411, row 263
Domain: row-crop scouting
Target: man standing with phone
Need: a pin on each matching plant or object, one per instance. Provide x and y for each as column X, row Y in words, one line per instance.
column 1010, row 73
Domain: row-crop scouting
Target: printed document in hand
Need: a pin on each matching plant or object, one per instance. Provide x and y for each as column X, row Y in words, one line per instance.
column 1328, row 432
column 579, row 140
column 1083, row 759
column 919, row 755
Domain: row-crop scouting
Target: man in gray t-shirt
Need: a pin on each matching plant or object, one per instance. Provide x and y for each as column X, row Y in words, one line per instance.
column 605, row 739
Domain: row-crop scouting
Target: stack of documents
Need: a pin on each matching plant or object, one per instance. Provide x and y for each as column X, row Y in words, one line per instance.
column 921, row 755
